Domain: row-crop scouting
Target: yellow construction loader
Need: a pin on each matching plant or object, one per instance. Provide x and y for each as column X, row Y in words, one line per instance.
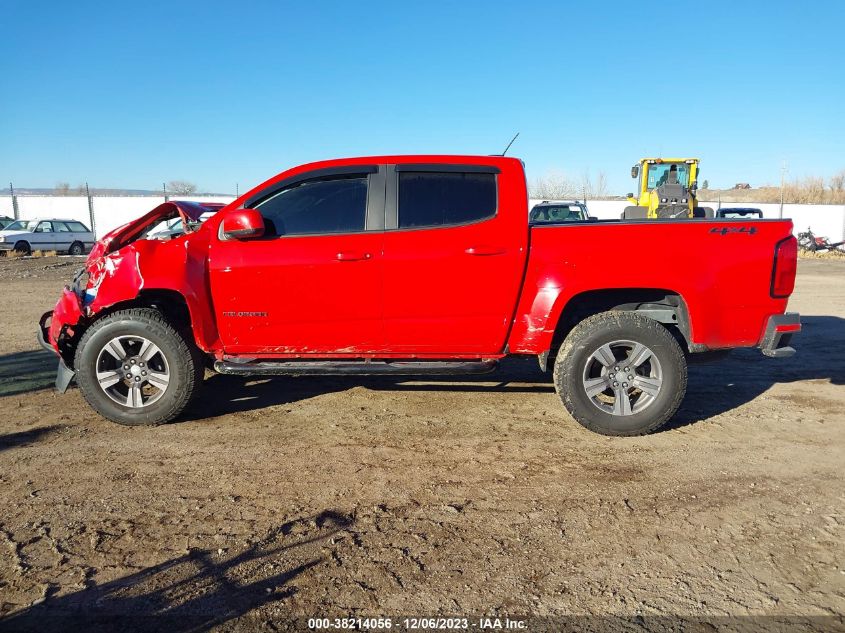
column 667, row 188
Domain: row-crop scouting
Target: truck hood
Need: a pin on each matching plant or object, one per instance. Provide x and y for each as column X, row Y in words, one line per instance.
column 123, row 235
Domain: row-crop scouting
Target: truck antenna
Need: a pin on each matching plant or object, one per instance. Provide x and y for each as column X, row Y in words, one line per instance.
column 509, row 144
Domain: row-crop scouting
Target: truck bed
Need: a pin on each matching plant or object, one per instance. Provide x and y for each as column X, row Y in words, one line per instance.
column 721, row 269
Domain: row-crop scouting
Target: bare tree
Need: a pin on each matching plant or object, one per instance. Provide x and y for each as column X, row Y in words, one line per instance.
column 61, row 189
column 553, row 186
column 181, row 187
column 600, row 186
column 590, row 188
column 837, row 182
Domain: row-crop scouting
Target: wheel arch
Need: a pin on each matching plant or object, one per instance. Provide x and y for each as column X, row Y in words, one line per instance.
column 171, row 303
column 663, row 305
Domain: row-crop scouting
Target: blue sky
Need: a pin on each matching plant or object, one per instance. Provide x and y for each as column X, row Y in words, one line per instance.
column 130, row 94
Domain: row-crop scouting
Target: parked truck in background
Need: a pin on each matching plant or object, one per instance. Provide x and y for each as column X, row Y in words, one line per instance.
column 417, row 265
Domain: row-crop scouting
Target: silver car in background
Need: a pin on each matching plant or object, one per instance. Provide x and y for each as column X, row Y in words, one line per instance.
column 46, row 234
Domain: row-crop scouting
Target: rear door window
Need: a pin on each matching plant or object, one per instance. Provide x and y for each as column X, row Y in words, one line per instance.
column 431, row 199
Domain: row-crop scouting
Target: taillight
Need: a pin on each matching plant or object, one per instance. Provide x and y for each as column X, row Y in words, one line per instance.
column 783, row 271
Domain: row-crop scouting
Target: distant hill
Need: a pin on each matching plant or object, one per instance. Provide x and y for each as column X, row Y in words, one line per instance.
column 50, row 191
column 801, row 193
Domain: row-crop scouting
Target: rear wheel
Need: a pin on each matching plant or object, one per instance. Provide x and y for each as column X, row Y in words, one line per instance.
column 76, row 249
column 621, row 373
column 134, row 368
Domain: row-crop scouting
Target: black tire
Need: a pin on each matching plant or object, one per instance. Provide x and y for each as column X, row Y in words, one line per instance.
column 635, row 213
column 703, row 212
column 575, row 362
column 23, row 248
column 183, row 363
column 77, row 248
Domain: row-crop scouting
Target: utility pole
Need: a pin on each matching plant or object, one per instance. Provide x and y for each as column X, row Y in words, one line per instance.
column 782, row 177
column 14, row 201
column 164, row 191
column 90, row 208
column 237, row 191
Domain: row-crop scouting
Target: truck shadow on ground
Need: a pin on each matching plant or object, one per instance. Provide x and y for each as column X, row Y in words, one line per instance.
column 713, row 388
column 724, row 385
column 198, row 591
column 25, row 438
column 22, row 372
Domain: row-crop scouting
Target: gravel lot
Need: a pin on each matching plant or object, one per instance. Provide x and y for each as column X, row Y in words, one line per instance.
column 367, row 497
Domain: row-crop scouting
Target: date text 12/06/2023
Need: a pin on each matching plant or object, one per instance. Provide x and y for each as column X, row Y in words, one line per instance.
column 417, row 623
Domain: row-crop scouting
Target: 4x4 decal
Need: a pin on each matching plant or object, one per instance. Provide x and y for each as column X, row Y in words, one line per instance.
column 724, row 230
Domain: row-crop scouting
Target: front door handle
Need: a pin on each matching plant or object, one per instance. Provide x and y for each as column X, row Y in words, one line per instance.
column 485, row 250
column 352, row 256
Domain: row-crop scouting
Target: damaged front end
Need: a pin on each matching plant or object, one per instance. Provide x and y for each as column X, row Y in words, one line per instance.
column 112, row 274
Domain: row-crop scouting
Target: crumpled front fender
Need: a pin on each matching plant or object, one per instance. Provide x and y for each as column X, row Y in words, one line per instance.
column 121, row 273
column 66, row 316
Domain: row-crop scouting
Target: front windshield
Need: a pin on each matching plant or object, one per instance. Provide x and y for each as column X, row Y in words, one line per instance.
column 659, row 175
column 167, row 227
column 557, row 213
column 21, row 225
column 741, row 214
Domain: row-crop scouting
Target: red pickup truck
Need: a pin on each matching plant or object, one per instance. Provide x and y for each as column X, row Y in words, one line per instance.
column 414, row 265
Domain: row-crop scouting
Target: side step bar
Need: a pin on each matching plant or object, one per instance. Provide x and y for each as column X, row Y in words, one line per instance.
column 355, row 368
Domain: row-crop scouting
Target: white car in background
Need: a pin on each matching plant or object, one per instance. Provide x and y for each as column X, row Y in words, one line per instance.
column 43, row 234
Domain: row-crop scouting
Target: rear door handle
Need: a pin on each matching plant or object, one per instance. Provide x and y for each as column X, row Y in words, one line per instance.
column 485, row 250
column 352, row 256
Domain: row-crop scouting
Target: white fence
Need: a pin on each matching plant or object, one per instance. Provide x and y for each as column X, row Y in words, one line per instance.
column 112, row 211
column 109, row 211
column 826, row 220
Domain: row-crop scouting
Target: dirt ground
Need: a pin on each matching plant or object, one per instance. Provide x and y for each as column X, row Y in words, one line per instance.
column 384, row 497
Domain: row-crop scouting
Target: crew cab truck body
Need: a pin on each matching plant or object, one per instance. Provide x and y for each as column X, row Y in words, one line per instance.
column 417, row 265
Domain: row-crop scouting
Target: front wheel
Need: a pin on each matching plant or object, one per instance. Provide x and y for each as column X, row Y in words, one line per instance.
column 134, row 368
column 621, row 373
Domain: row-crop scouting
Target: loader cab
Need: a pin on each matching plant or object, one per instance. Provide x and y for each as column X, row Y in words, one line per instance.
column 668, row 174
column 666, row 187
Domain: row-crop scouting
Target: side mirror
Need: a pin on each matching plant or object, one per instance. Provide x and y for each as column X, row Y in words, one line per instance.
column 635, row 171
column 630, row 195
column 242, row 224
